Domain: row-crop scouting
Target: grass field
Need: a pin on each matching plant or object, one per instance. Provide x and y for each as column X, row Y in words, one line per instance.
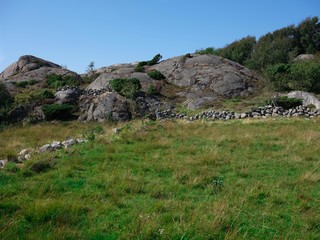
column 248, row 179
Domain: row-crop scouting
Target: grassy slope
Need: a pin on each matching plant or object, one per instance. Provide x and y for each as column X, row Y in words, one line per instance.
column 251, row 179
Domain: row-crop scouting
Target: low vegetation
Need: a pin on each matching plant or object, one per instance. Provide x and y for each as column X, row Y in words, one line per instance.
column 251, row 179
column 29, row 97
column 5, row 102
column 128, row 87
column 57, row 111
column 284, row 101
column 23, row 84
column 296, row 76
column 140, row 67
column 155, row 74
column 54, row 81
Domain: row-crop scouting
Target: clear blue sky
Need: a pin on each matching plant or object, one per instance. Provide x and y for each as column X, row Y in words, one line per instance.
column 75, row 32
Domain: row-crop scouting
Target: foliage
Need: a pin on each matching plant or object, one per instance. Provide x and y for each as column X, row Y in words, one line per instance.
column 126, row 87
column 54, row 81
column 308, row 36
column 285, row 102
column 280, row 46
column 156, row 59
column 209, row 50
column 57, row 111
column 31, row 97
column 169, row 180
column 5, row 102
column 152, row 90
column 297, row 76
column 273, row 48
column 46, row 94
column 5, row 97
column 139, row 68
column 89, row 78
column 90, row 68
column 142, row 64
column 155, row 74
column 23, row 84
column 239, row 51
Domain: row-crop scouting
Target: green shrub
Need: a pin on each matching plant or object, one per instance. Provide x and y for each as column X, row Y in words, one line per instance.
column 152, row 90
column 143, row 63
column 32, row 97
column 155, row 74
column 126, row 87
column 5, row 102
column 5, row 97
column 22, row 84
column 46, row 94
column 239, row 51
column 57, row 111
column 55, row 81
column 303, row 76
column 209, row 50
column 285, row 102
column 156, row 59
column 32, row 82
column 278, row 76
column 139, row 68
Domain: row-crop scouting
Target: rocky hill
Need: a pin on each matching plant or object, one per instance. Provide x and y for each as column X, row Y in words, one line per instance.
column 32, row 68
column 193, row 80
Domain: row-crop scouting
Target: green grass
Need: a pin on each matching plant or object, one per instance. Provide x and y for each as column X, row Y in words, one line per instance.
column 250, row 179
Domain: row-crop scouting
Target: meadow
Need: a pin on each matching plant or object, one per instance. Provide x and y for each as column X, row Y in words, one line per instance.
column 238, row 179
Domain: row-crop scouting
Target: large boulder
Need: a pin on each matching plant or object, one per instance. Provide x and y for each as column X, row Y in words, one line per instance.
column 308, row 98
column 70, row 96
column 106, row 106
column 33, row 68
column 207, row 78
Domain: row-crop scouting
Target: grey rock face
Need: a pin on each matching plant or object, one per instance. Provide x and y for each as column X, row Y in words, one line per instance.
column 32, row 68
column 307, row 98
column 67, row 96
column 207, row 77
column 26, row 64
column 108, row 105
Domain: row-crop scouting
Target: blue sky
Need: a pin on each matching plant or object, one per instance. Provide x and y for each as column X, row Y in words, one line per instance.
column 75, row 32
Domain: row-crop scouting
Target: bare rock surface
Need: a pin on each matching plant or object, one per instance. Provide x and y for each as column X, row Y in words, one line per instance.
column 32, row 68
column 207, row 78
column 106, row 106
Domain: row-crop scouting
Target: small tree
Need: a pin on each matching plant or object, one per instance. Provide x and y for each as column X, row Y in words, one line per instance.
column 90, row 68
column 156, row 59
